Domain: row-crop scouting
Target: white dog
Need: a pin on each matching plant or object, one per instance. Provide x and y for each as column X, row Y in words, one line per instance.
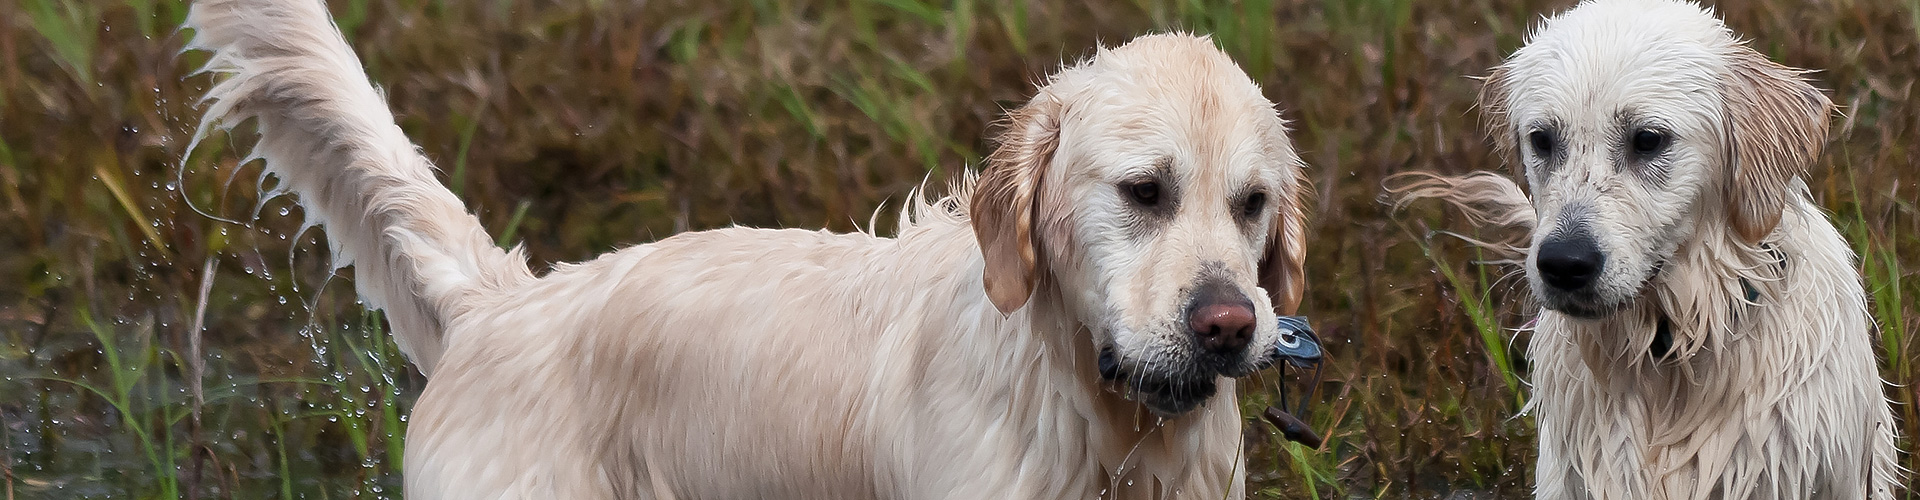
column 1705, row 333
column 1067, row 326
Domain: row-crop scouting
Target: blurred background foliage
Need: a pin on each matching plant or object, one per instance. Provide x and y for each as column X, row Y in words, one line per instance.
column 168, row 333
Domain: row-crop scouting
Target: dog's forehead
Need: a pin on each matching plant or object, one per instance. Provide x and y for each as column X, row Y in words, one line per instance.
column 1173, row 100
column 1607, row 58
column 1205, row 148
column 1600, row 23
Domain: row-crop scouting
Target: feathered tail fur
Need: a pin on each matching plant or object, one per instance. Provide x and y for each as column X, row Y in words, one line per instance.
column 328, row 136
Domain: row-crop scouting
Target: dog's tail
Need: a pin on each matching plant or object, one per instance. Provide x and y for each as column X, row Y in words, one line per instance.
column 1487, row 198
column 328, row 136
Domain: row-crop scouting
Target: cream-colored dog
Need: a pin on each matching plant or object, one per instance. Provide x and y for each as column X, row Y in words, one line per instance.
column 1067, row 326
column 1705, row 333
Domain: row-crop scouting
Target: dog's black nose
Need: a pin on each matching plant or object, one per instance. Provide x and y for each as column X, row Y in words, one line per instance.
column 1569, row 263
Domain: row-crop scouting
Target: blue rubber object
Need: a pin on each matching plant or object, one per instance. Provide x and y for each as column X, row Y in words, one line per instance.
column 1298, row 345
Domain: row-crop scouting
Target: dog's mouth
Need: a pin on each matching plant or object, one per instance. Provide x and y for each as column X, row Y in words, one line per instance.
column 1591, row 304
column 1172, row 388
column 1585, row 305
column 1166, row 394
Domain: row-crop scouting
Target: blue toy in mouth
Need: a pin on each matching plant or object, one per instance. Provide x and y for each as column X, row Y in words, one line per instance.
column 1298, row 345
column 1300, row 348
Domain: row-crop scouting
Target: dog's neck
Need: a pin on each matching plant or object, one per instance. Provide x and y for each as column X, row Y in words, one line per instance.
column 1697, row 315
column 1704, row 296
column 1125, row 450
column 1142, row 454
column 1129, row 443
column 1700, row 298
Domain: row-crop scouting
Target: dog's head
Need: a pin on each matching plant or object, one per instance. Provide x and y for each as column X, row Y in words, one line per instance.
column 1154, row 187
column 1639, row 125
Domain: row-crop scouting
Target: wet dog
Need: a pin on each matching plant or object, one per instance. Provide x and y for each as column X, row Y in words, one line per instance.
column 1705, row 334
column 1068, row 325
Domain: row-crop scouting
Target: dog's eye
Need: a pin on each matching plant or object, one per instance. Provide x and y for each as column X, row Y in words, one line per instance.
column 1542, row 142
column 1144, row 192
column 1254, row 204
column 1648, row 142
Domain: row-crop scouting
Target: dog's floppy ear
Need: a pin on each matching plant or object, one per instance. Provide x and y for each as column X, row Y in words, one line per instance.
column 1493, row 113
column 1776, row 124
column 1003, row 209
column 1283, row 270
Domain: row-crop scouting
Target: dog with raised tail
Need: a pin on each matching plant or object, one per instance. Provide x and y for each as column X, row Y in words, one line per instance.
column 1070, row 324
column 1704, row 332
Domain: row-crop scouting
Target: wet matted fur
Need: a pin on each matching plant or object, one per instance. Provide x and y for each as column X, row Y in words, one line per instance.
column 1705, row 334
column 1141, row 194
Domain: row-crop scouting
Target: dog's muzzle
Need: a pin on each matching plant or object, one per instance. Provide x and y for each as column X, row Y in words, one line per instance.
column 1168, row 396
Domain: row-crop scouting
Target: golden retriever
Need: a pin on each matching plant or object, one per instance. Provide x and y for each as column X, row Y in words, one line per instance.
column 1068, row 325
column 1705, row 334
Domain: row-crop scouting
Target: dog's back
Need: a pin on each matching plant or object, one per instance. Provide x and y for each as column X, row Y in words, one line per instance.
column 669, row 364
